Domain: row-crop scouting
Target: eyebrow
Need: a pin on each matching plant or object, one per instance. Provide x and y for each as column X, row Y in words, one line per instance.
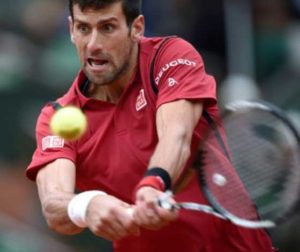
column 110, row 19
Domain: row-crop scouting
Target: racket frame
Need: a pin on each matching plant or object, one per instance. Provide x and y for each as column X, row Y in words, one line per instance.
column 241, row 105
column 215, row 208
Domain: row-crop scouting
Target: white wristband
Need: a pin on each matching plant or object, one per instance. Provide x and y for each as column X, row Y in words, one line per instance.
column 78, row 206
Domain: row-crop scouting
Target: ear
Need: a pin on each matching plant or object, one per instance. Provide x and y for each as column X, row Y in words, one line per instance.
column 71, row 29
column 138, row 28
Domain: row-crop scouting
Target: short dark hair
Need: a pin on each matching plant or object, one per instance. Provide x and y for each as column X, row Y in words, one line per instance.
column 131, row 8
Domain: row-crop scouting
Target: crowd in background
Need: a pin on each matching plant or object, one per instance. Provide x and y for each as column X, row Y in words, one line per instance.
column 38, row 63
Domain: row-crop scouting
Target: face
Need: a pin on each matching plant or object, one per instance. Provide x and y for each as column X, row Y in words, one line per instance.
column 104, row 42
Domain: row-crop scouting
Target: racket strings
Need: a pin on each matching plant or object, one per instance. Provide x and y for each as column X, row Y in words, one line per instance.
column 255, row 182
column 262, row 159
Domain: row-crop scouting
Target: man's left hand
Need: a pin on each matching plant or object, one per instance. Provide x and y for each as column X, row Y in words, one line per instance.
column 147, row 213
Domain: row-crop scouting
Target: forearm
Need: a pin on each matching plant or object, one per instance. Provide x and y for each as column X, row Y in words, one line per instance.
column 172, row 152
column 56, row 183
column 176, row 122
column 66, row 212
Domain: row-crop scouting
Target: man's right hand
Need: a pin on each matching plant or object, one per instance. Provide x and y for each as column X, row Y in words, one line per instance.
column 109, row 218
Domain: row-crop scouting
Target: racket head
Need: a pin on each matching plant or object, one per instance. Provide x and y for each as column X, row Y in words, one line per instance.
column 249, row 169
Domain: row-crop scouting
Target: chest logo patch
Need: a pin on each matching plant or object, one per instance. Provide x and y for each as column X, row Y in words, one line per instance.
column 141, row 101
column 51, row 142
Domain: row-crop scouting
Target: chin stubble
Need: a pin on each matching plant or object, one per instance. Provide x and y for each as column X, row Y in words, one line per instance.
column 112, row 76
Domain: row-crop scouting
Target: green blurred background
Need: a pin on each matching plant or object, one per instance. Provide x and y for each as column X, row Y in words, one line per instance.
column 251, row 47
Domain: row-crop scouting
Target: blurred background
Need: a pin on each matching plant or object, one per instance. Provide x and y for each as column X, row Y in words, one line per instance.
column 251, row 47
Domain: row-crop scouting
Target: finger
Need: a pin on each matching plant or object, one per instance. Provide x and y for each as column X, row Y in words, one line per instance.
column 147, row 218
column 149, row 214
column 111, row 227
column 129, row 211
column 142, row 213
column 107, row 233
column 168, row 214
column 129, row 223
column 160, row 216
column 118, row 228
column 167, row 206
column 99, row 228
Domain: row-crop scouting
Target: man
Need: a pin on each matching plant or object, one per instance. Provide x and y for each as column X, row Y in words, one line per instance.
column 138, row 140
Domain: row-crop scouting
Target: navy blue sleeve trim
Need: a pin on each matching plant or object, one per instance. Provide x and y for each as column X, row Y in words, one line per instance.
column 153, row 84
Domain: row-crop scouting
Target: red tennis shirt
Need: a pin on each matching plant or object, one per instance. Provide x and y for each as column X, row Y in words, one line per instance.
column 114, row 152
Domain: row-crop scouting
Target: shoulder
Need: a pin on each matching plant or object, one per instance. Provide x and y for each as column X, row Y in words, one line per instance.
column 177, row 47
column 50, row 107
column 150, row 42
column 47, row 111
column 175, row 52
column 166, row 49
column 147, row 43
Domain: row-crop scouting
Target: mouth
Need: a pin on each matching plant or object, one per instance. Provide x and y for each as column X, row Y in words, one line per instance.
column 97, row 64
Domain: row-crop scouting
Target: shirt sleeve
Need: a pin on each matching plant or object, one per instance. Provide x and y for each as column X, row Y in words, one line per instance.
column 180, row 74
column 49, row 147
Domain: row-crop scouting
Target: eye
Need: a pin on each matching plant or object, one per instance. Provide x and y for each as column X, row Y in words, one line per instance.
column 83, row 28
column 108, row 28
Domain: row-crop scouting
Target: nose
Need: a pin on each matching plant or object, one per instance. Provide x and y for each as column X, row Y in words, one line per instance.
column 94, row 43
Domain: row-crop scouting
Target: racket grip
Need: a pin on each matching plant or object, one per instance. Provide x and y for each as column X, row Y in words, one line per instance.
column 165, row 203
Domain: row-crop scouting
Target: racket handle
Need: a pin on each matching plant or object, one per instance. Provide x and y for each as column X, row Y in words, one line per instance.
column 164, row 202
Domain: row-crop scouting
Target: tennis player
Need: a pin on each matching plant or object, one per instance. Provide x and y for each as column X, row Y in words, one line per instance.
column 143, row 98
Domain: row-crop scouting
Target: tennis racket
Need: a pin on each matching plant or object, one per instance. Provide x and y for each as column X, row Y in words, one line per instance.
column 249, row 170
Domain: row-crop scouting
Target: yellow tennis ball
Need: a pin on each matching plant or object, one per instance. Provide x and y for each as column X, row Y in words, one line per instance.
column 68, row 122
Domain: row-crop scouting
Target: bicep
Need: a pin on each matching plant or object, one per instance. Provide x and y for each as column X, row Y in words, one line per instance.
column 56, row 177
